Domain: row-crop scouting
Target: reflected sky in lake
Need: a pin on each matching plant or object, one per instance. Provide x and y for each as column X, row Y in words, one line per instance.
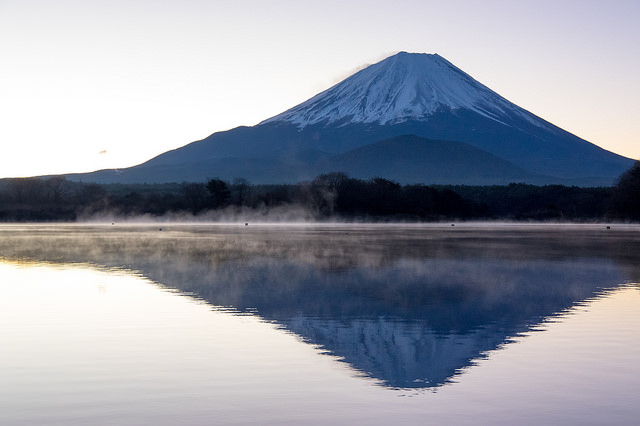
column 317, row 324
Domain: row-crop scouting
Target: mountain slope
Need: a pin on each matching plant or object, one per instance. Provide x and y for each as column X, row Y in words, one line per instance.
column 412, row 159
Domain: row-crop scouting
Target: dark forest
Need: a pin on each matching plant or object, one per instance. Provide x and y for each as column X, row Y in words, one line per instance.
column 333, row 196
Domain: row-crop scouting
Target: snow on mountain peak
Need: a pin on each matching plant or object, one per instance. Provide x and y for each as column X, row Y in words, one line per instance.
column 405, row 86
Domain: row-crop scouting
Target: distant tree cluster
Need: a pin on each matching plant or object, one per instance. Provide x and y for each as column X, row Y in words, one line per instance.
column 381, row 197
column 52, row 199
column 332, row 195
column 626, row 195
column 519, row 201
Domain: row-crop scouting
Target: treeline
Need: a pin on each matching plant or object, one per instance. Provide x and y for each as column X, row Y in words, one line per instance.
column 333, row 195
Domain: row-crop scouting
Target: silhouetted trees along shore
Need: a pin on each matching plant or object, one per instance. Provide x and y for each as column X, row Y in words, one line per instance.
column 328, row 196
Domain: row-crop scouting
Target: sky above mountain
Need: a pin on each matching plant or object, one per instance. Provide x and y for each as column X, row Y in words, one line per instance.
column 99, row 84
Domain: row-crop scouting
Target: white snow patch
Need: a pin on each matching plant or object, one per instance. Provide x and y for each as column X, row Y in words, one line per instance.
column 406, row 86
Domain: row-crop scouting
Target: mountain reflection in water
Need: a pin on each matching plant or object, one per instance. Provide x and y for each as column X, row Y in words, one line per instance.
column 409, row 306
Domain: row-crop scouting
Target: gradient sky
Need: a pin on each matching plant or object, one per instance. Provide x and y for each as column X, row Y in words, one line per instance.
column 98, row 84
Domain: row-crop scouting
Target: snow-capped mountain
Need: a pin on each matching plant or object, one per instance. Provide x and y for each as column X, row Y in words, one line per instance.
column 400, row 88
column 413, row 118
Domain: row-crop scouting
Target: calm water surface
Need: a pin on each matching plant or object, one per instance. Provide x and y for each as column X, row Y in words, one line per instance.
column 227, row 324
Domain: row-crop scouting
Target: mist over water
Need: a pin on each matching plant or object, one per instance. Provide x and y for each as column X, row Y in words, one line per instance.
column 286, row 214
column 387, row 308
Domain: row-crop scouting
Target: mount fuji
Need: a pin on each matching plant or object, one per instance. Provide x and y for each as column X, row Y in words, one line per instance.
column 413, row 118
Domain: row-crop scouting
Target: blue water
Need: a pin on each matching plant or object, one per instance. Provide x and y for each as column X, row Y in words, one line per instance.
column 342, row 324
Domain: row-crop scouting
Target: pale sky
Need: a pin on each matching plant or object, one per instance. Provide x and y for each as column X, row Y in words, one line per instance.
column 97, row 84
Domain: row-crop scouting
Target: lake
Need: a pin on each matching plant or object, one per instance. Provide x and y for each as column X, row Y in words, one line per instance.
column 204, row 324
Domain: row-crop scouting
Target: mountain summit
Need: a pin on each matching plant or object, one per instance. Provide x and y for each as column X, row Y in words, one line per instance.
column 403, row 87
column 413, row 118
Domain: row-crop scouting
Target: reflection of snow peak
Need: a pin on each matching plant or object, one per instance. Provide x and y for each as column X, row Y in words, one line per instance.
column 399, row 354
column 406, row 86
